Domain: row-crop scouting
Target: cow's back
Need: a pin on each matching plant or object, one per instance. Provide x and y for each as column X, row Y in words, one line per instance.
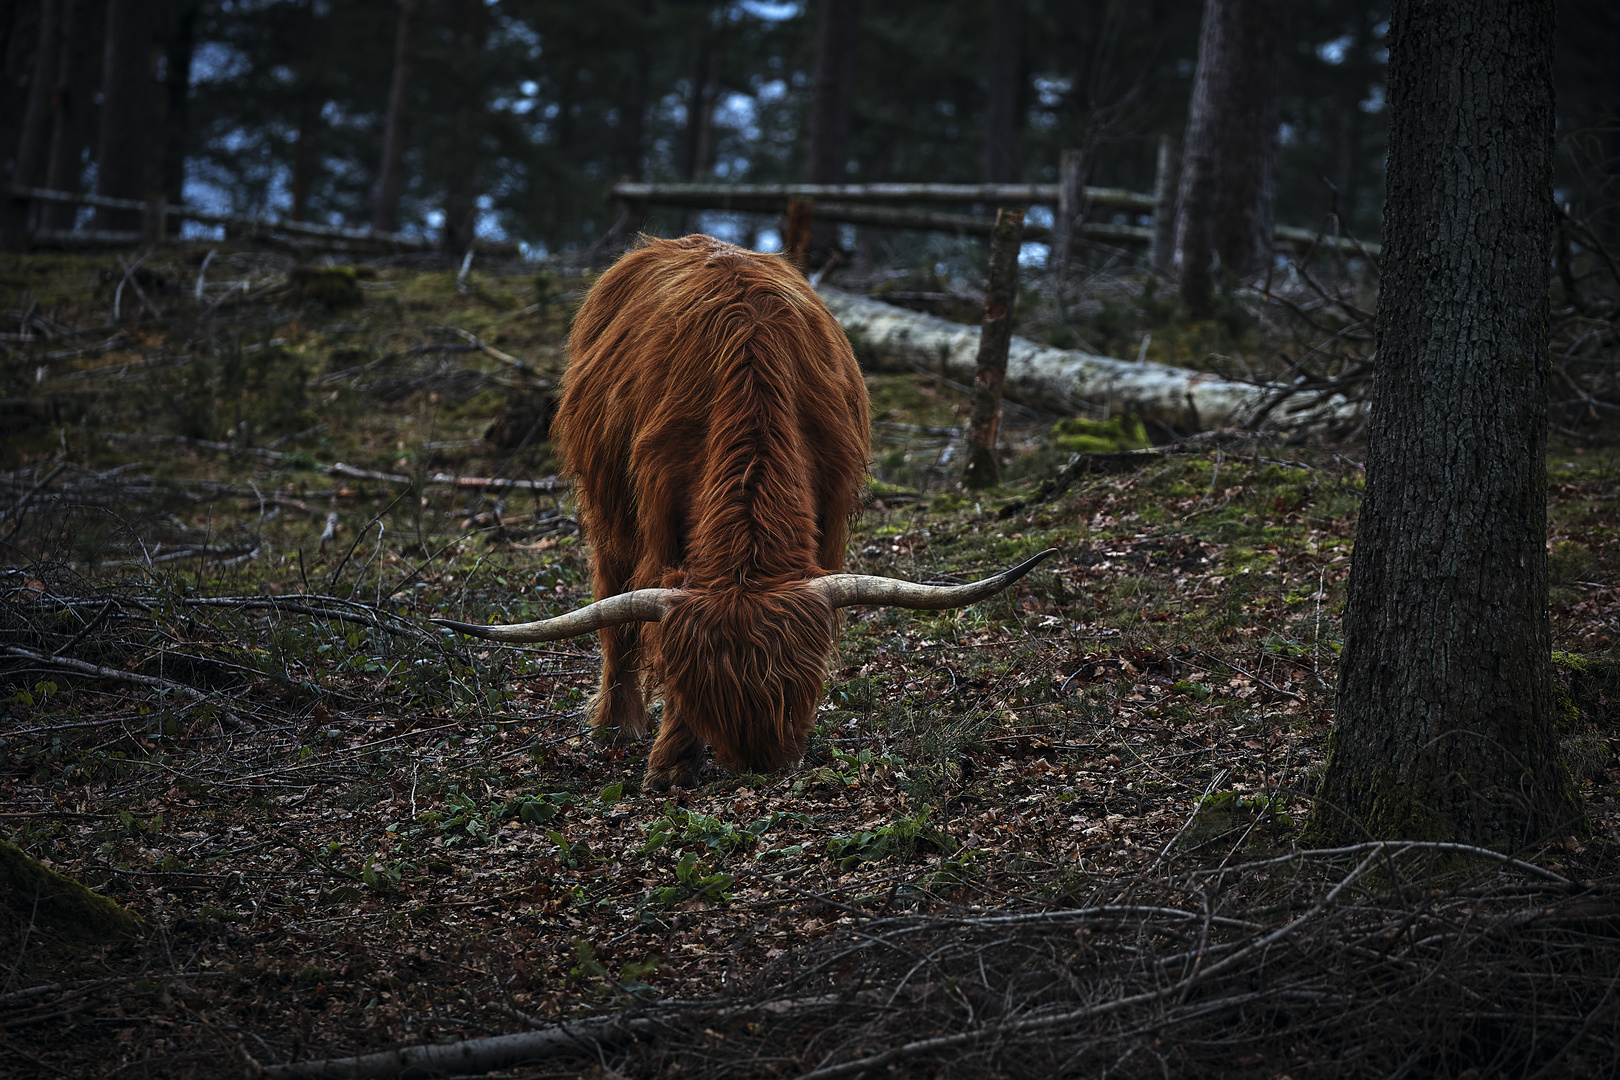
column 713, row 416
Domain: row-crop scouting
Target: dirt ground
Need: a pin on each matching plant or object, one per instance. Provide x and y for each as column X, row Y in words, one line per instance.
column 231, row 513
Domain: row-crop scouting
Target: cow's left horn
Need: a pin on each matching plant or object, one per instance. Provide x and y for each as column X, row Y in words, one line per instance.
column 643, row 605
column 846, row 590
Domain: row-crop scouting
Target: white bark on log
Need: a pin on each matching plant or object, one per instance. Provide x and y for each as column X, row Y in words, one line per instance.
column 1183, row 400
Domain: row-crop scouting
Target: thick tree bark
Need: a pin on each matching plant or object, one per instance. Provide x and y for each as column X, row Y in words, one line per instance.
column 177, row 113
column 984, row 423
column 827, row 155
column 1446, row 723
column 385, row 206
column 1229, row 155
column 70, row 107
column 124, row 159
column 29, row 166
column 1001, row 97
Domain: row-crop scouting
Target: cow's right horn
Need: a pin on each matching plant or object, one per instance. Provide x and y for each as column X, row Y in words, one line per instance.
column 643, row 605
column 846, row 590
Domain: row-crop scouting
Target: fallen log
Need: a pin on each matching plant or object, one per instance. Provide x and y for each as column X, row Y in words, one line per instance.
column 1181, row 400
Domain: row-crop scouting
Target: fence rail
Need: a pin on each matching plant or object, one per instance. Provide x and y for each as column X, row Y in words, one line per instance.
column 875, row 204
column 157, row 214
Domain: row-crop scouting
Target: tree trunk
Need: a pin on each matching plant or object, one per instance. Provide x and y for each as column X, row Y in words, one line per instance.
column 1229, row 156
column 984, row 423
column 1446, row 722
column 1166, row 179
column 124, row 159
column 836, row 39
column 461, row 192
column 177, row 114
column 36, row 124
column 70, row 105
column 827, row 156
column 385, row 209
column 29, row 167
column 633, row 113
column 1001, row 98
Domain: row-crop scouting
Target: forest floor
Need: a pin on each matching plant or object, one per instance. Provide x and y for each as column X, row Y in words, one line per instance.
column 1050, row 834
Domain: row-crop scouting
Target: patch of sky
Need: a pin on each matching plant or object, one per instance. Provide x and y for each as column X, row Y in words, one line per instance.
column 769, row 12
column 1285, row 134
column 215, row 61
column 1033, row 254
column 1050, row 90
column 1039, row 215
column 1373, row 102
column 1334, row 52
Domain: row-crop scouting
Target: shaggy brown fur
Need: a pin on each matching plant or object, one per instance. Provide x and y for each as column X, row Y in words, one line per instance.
column 716, row 424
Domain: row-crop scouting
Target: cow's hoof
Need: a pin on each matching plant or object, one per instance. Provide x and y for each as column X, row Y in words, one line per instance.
column 685, row 775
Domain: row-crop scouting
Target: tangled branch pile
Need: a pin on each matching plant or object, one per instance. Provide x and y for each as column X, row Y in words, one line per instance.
column 1336, row 963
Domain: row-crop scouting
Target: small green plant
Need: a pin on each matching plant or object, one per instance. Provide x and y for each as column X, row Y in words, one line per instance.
column 692, row 881
column 903, row 837
column 680, row 827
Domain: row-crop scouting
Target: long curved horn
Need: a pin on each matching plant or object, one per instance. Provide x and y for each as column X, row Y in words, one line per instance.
column 643, row 605
column 845, row 590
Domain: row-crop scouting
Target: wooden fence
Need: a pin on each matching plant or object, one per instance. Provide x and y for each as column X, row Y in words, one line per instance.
column 885, row 205
column 156, row 215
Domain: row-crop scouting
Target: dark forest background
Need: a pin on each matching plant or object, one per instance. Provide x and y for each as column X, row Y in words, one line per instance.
column 518, row 113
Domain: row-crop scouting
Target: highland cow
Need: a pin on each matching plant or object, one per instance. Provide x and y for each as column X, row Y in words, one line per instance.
column 715, row 423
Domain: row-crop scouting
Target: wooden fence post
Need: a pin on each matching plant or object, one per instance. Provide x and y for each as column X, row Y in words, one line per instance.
column 796, row 235
column 1068, row 209
column 1166, row 179
column 983, row 469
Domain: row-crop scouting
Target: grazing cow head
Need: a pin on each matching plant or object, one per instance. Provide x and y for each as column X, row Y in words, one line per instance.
column 715, row 424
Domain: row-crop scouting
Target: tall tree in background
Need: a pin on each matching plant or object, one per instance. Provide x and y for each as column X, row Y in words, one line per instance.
column 827, row 155
column 1001, row 99
column 124, row 158
column 836, row 36
column 178, row 50
column 1227, row 203
column 28, row 169
column 1445, row 727
column 70, row 111
column 461, row 192
column 385, row 210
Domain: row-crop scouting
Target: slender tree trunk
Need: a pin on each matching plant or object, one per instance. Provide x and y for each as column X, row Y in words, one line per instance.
column 14, row 59
column 36, row 126
column 461, row 191
column 633, row 113
column 1166, row 180
column 1229, row 155
column 1005, row 77
column 302, row 161
column 1446, row 724
column 385, row 208
column 29, row 167
column 703, row 155
column 984, row 423
column 826, row 157
column 70, row 106
column 177, row 114
column 124, row 159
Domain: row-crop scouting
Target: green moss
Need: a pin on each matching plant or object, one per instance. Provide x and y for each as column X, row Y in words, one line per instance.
column 1120, row 433
column 39, row 895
